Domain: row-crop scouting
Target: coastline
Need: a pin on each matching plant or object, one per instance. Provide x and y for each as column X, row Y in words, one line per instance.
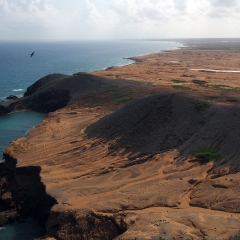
column 11, row 110
column 67, row 128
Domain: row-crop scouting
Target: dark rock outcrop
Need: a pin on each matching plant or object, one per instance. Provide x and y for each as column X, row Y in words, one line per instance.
column 46, row 100
column 4, row 109
column 14, row 97
column 22, row 194
column 85, row 225
column 8, row 209
column 55, row 91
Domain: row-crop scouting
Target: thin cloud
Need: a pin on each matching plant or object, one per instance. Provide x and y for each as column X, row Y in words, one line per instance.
column 224, row 3
column 31, row 19
column 138, row 11
column 224, row 9
column 89, row 13
column 180, row 5
column 51, row 19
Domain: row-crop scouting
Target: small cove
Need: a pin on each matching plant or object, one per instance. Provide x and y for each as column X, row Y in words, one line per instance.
column 18, row 71
column 12, row 127
column 28, row 229
column 17, row 125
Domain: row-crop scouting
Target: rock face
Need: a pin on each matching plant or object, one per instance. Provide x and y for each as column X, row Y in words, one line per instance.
column 8, row 211
column 22, row 193
column 4, row 109
column 131, row 175
column 85, row 225
column 12, row 97
column 55, row 91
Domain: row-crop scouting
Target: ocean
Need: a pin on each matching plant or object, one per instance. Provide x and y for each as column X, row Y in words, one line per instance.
column 18, row 71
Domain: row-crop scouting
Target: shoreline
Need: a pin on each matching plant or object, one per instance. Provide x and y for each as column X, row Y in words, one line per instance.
column 73, row 63
column 133, row 58
column 9, row 102
column 57, row 130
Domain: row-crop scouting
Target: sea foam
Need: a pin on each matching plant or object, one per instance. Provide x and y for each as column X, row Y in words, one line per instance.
column 17, row 90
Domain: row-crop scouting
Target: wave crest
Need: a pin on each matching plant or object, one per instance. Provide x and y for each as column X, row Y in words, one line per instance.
column 17, row 90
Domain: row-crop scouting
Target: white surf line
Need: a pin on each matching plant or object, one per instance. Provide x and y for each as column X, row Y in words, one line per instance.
column 213, row 70
column 18, row 90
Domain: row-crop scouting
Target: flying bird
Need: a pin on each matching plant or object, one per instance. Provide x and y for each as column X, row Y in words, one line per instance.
column 32, row 54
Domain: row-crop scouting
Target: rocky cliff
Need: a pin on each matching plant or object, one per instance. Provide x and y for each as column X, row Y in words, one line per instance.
column 55, row 91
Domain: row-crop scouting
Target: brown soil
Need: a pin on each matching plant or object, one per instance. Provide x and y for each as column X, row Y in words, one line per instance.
column 172, row 69
column 126, row 171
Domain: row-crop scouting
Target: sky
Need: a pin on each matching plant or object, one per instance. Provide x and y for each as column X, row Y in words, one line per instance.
column 118, row 19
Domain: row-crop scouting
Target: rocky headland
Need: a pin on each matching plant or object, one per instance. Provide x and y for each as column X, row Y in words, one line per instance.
column 145, row 151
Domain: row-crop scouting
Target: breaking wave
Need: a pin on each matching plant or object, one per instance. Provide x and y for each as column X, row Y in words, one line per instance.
column 17, row 90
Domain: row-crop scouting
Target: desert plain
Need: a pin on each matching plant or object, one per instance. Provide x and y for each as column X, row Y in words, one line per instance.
column 152, row 154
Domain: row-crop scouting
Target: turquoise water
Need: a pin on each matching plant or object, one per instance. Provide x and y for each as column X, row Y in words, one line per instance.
column 27, row 230
column 17, row 125
column 12, row 127
column 18, row 71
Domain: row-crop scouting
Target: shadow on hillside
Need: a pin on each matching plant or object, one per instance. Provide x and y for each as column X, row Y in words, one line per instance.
column 160, row 123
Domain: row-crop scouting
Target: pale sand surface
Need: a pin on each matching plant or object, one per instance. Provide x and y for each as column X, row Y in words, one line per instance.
column 159, row 194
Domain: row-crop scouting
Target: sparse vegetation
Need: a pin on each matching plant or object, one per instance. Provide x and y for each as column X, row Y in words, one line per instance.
column 95, row 105
column 101, row 115
column 199, row 82
column 132, row 91
column 212, row 97
column 205, row 154
column 178, row 81
column 123, row 100
column 221, row 87
column 22, row 147
column 237, row 89
column 180, row 87
column 233, row 99
column 202, row 105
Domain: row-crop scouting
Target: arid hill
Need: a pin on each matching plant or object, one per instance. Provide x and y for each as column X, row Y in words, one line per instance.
column 163, row 166
column 133, row 172
column 56, row 91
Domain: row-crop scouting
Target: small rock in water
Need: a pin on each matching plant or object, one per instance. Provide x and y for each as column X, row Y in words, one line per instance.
column 12, row 97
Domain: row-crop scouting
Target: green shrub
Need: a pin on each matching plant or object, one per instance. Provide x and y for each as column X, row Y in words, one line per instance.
column 199, row 82
column 205, row 154
column 123, row 100
column 202, row 105
column 178, row 81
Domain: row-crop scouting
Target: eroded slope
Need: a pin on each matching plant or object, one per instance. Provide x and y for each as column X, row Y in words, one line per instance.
column 134, row 169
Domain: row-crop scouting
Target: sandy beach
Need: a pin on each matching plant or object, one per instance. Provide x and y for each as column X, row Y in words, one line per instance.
column 118, row 160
